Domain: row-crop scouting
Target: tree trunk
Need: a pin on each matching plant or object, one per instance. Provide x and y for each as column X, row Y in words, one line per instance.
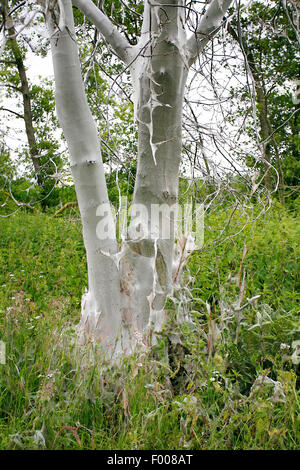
column 159, row 75
column 101, row 304
column 26, row 100
column 128, row 287
column 266, row 132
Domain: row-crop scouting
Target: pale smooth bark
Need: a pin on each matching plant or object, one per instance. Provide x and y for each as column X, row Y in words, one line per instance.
column 108, row 30
column 159, row 75
column 209, row 25
column 101, row 304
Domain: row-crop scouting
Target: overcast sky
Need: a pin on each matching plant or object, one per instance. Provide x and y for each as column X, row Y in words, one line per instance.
column 38, row 66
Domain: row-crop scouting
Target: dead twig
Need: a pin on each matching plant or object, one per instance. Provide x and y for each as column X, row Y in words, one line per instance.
column 68, row 204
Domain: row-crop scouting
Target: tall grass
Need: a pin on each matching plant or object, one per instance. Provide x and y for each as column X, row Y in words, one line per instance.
column 225, row 379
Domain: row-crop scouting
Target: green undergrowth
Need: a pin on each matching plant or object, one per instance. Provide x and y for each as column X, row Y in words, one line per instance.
column 226, row 377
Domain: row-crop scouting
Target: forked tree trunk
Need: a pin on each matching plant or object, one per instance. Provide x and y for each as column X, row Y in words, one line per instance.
column 128, row 287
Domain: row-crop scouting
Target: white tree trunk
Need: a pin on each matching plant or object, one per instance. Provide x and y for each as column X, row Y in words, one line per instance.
column 159, row 75
column 128, row 290
column 101, row 304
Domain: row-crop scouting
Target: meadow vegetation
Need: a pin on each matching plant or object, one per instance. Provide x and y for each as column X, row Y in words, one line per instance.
column 225, row 380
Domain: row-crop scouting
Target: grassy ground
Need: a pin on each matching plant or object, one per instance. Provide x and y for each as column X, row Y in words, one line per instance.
column 229, row 381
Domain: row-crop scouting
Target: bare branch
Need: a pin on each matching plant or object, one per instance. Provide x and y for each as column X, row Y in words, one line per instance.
column 209, row 25
column 109, row 31
column 21, row 116
column 68, row 204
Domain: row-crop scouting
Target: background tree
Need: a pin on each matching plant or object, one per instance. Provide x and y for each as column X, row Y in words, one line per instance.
column 33, row 103
column 269, row 40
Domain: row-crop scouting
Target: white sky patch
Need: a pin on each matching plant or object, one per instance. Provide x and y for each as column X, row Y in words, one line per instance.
column 39, row 67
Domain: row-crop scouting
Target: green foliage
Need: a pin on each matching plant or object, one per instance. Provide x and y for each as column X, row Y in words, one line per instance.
column 272, row 261
column 38, row 114
column 271, row 48
column 128, row 18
